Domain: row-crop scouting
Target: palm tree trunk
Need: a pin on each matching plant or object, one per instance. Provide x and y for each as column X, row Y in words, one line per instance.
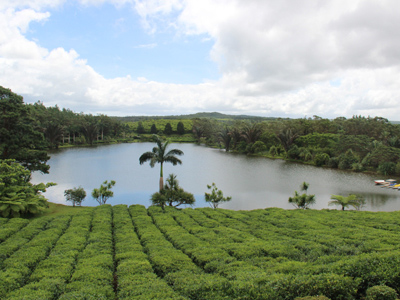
column 161, row 178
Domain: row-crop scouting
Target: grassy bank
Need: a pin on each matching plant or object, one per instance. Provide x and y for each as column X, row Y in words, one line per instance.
column 132, row 252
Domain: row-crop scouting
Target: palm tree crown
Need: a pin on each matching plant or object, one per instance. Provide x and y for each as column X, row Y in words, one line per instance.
column 351, row 200
column 160, row 155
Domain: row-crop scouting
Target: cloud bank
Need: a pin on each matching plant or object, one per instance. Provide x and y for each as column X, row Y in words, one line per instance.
column 276, row 58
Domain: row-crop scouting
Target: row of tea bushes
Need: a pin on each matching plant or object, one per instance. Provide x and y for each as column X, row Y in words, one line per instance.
column 136, row 279
column 21, row 237
column 172, row 264
column 245, row 281
column 49, row 278
column 198, row 285
column 11, row 227
column 18, row 267
column 93, row 277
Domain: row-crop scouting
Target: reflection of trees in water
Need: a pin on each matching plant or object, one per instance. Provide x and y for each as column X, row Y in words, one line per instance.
column 378, row 200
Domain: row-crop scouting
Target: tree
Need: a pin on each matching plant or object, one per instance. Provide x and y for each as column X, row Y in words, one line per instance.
column 172, row 194
column 287, row 138
column 302, row 201
column 19, row 137
column 251, row 132
column 140, row 128
column 216, row 196
column 102, row 194
column 160, row 155
column 75, row 195
column 168, row 129
column 225, row 138
column 153, row 129
column 19, row 197
column 351, row 200
column 90, row 128
column 180, row 128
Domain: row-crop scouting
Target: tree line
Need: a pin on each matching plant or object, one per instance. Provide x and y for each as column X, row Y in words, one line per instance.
column 358, row 143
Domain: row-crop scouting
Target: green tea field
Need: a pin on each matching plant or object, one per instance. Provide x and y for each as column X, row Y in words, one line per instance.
column 120, row 252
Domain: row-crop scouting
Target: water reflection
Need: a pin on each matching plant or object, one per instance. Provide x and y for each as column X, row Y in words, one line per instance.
column 253, row 182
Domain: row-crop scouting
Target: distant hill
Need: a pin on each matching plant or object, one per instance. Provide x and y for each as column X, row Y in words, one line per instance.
column 209, row 115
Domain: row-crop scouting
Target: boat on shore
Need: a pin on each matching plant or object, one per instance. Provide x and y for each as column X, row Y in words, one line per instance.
column 389, row 183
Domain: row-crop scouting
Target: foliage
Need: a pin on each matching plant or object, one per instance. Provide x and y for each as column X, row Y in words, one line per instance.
column 180, row 128
column 117, row 252
column 302, row 201
column 153, row 129
column 216, row 197
column 168, row 129
column 387, row 168
column 351, row 200
column 140, row 128
column 75, row 195
column 19, row 197
column 160, row 155
column 172, row 194
column 20, row 139
column 381, row 292
column 321, row 159
column 258, row 147
column 102, row 194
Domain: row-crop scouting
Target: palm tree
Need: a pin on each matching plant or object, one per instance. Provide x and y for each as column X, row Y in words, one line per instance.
column 351, row 200
column 287, row 138
column 251, row 132
column 225, row 137
column 160, row 155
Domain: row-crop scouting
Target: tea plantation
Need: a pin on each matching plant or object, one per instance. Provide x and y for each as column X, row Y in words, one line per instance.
column 132, row 252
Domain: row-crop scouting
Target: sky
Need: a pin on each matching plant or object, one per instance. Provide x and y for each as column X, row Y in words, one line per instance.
column 273, row 58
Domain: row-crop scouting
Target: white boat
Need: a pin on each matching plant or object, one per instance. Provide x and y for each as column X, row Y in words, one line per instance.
column 379, row 182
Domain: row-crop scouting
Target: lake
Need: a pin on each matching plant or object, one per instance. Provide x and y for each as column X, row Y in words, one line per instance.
column 252, row 182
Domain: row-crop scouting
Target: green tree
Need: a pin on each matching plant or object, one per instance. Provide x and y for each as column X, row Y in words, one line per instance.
column 19, row 197
column 251, row 132
column 19, row 137
column 225, row 138
column 351, row 200
column 168, row 129
column 153, row 129
column 180, row 128
column 75, row 195
column 90, row 128
column 302, row 201
column 172, row 194
column 216, row 196
column 102, row 194
column 140, row 128
column 160, row 155
column 287, row 138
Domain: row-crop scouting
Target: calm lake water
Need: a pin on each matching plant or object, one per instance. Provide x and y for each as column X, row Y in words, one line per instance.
column 253, row 182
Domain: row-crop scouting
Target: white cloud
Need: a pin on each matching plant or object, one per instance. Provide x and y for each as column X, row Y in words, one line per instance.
column 277, row 58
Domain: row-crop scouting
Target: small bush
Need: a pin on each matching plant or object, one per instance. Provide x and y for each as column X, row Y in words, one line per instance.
column 313, row 298
column 381, row 292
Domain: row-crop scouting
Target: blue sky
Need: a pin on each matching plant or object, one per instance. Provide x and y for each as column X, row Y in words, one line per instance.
column 114, row 43
column 171, row 57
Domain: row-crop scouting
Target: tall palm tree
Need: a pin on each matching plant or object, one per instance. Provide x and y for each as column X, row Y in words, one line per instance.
column 160, row 155
column 351, row 200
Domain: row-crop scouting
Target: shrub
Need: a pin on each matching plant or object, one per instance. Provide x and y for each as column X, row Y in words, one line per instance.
column 381, row 292
column 387, row 168
column 313, row 298
column 321, row 159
